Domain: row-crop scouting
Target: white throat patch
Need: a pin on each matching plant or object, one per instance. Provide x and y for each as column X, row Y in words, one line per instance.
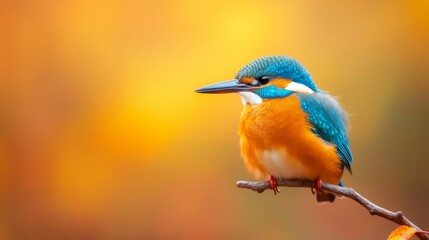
column 249, row 97
column 299, row 88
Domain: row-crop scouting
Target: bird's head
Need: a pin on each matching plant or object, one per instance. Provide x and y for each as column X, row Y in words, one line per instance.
column 266, row 78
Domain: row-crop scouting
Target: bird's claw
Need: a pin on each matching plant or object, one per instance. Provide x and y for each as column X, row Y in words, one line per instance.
column 273, row 185
column 317, row 186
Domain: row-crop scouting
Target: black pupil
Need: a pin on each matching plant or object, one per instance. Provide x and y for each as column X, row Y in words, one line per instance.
column 263, row 80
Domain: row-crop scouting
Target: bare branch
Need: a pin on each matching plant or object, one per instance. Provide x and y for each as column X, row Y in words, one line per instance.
column 373, row 209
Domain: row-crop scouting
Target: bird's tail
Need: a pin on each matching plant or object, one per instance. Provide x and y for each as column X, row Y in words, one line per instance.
column 325, row 197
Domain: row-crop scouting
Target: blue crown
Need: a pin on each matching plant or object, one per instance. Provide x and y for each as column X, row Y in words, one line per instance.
column 278, row 66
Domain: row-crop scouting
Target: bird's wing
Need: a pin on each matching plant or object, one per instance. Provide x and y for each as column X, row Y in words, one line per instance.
column 329, row 121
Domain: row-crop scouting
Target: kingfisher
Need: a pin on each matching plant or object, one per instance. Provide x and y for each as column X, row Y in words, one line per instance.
column 289, row 128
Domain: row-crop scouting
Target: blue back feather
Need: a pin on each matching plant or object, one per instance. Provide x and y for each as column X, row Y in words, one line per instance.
column 329, row 121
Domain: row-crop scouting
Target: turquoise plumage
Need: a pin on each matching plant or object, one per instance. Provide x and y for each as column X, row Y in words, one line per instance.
column 329, row 121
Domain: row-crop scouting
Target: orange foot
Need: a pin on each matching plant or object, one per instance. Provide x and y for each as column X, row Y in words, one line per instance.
column 273, row 185
column 317, row 186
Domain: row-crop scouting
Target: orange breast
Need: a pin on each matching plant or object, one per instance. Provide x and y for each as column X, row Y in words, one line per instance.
column 276, row 139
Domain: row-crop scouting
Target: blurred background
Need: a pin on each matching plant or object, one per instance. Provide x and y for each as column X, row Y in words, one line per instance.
column 102, row 136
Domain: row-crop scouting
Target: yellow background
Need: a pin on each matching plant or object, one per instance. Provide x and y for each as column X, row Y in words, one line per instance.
column 102, row 136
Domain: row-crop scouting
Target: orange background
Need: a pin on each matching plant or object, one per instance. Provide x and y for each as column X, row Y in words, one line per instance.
column 102, row 136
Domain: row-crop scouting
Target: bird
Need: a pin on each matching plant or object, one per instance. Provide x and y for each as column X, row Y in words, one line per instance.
column 289, row 128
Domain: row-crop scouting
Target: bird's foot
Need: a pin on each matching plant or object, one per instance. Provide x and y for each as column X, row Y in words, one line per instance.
column 273, row 185
column 317, row 186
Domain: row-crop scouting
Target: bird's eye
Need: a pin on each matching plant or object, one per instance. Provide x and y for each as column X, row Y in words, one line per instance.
column 263, row 80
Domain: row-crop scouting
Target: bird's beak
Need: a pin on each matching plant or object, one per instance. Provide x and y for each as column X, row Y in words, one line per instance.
column 231, row 86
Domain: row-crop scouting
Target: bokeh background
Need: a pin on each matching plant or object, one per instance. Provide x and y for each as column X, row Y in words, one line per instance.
column 102, row 136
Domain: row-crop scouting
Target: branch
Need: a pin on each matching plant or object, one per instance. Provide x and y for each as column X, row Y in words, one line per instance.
column 397, row 217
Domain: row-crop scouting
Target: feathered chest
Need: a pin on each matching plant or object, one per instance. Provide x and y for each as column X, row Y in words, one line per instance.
column 273, row 122
column 276, row 138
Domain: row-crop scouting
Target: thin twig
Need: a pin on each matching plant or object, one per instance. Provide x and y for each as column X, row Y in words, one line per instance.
column 397, row 217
